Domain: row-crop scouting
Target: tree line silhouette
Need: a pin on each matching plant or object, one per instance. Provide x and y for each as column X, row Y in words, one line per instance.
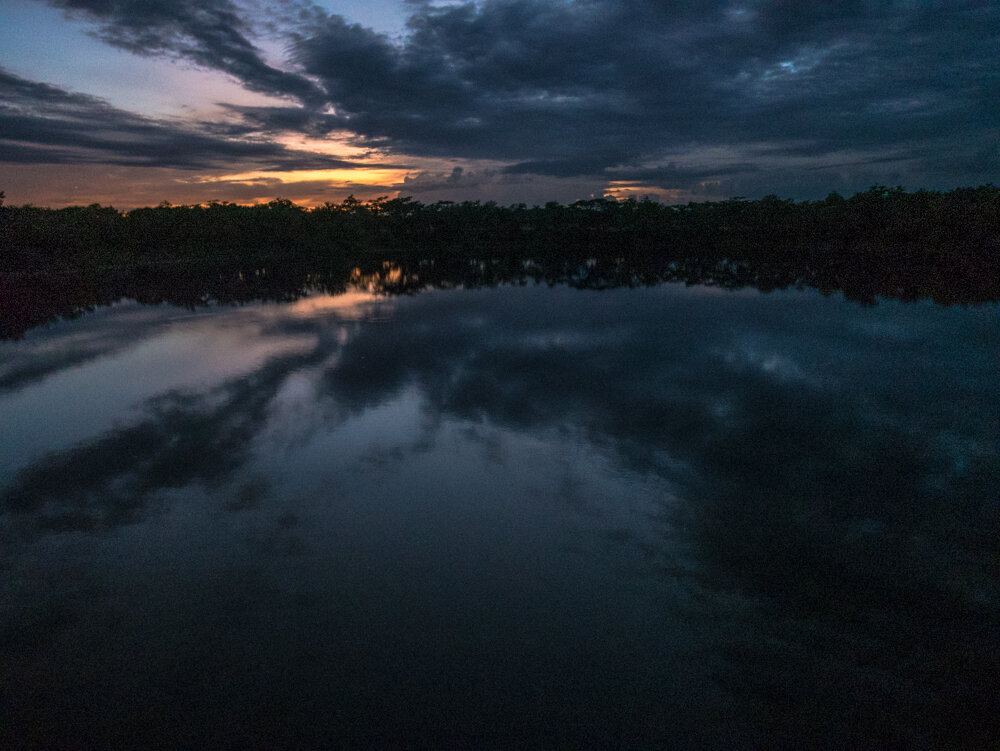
column 880, row 222
column 884, row 242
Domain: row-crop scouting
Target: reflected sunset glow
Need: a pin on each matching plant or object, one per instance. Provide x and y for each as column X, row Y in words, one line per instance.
column 353, row 305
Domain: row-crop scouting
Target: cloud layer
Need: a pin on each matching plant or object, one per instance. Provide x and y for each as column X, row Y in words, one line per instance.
column 636, row 90
column 45, row 124
column 711, row 98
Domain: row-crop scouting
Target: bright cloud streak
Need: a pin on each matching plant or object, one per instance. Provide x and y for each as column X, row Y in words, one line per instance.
column 366, row 176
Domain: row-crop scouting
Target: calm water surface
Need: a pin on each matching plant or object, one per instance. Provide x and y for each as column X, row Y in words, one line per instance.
column 527, row 515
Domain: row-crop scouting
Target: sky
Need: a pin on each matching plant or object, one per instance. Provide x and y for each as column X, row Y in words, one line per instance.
column 134, row 102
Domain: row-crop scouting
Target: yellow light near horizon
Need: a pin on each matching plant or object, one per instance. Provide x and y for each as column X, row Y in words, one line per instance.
column 351, row 305
column 337, row 146
column 630, row 188
column 361, row 176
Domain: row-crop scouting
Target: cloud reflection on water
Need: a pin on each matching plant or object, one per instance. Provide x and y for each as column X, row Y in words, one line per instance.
column 822, row 487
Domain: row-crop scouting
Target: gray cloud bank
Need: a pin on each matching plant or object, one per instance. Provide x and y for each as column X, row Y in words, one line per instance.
column 711, row 97
column 40, row 123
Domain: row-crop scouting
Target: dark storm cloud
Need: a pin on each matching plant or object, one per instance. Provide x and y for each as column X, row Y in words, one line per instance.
column 587, row 164
column 40, row 123
column 575, row 88
column 594, row 165
column 211, row 33
column 278, row 120
column 458, row 178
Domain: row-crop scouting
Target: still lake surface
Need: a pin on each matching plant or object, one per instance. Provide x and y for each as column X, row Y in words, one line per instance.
column 523, row 515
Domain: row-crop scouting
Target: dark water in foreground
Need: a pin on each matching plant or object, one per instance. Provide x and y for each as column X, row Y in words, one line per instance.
column 674, row 516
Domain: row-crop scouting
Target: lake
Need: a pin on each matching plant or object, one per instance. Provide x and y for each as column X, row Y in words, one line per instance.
column 503, row 515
